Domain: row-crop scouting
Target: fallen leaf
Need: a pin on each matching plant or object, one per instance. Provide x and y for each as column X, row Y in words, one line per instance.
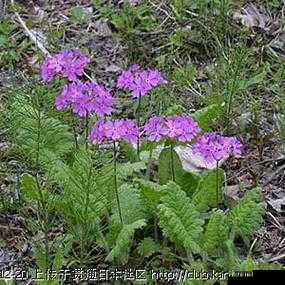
column 193, row 162
column 102, row 28
column 231, row 191
column 278, row 205
column 252, row 17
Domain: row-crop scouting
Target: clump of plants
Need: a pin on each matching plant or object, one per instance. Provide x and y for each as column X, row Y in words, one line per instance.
column 117, row 186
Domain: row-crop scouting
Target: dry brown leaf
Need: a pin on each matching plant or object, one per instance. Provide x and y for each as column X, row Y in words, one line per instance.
column 252, row 17
column 278, row 205
column 231, row 191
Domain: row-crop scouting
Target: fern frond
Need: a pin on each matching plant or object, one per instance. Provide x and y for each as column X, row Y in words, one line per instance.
column 55, row 168
column 36, row 132
column 132, row 205
column 124, row 240
column 246, row 216
column 216, row 234
column 150, row 193
column 133, row 208
column 127, row 169
column 148, row 247
column 230, row 259
column 179, row 219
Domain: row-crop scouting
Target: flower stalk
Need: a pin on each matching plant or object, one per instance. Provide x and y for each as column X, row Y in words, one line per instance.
column 217, row 182
column 172, row 162
column 137, row 114
column 86, row 130
column 116, row 182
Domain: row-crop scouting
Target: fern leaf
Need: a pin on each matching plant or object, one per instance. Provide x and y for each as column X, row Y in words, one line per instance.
column 132, row 205
column 127, row 169
column 124, row 240
column 148, row 247
column 133, row 208
column 150, row 191
column 216, row 234
column 246, row 216
column 179, row 219
column 35, row 131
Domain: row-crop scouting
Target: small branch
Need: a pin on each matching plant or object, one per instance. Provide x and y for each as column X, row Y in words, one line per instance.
column 31, row 35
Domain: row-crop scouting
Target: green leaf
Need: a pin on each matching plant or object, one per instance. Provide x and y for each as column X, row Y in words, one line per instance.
column 186, row 180
column 210, row 194
column 29, row 187
column 58, row 260
column 124, row 241
column 132, row 205
column 148, row 247
column 35, row 131
column 41, row 259
column 79, row 15
column 149, row 190
column 246, row 216
column 127, row 169
column 217, row 232
column 128, row 151
column 179, row 219
column 206, row 116
column 256, row 79
column 3, row 40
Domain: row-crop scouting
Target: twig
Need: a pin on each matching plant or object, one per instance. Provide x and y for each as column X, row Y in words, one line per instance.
column 278, row 257
column 32, row 36
column 11, row 228
column 277, row 224
column 251, row 247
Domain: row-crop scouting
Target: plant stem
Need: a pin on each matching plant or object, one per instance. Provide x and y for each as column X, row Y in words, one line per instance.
column 233, row 90
column 5, row 209
column 116, row 183
column 155, row 230
column 41, row 202
column 86, row 130
column 217, row 182
column 172, row 162
column 189, row 256
column 84, row 230
column 148, row 169
column 137, row 113
column 74, row 131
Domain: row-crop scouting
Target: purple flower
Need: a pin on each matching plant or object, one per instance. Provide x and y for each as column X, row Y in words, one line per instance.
column 73, row 62
column 154, row 128
column 182, row 128
column 51, row 67
column 121, row 129
column 85, row 98
column 214, row 147
column 140, row 81
column 70, row 63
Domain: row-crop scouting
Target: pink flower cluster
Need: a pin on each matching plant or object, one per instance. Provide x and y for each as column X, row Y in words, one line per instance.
column 182, row 128
column 140, row 81
column 85, row 98
column 121, row 129
column 214, row 147
column 70, row 63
